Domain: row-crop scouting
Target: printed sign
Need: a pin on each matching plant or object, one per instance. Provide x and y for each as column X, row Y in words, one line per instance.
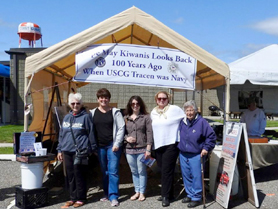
column 27, row 140
column 136, row 65
column 227, row 162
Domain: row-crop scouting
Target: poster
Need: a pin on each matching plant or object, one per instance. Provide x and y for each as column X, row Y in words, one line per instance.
column 136, row 65
column 228, row 162
column 27, row 140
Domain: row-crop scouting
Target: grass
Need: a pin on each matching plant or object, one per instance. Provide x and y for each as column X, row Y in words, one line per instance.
column 269, row 123
column 6, row 150
column 6, row 132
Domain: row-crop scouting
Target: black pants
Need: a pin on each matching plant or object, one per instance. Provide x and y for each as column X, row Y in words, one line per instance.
column 166, row 157
column 75, row 177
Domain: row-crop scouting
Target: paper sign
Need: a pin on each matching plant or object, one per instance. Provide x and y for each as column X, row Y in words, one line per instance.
column 227, row 162
column 38, row 147
column 27, row 140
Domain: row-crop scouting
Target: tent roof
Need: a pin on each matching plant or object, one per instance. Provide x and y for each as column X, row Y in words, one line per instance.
column 132, row 26
column 260, row 68
column 4, row 71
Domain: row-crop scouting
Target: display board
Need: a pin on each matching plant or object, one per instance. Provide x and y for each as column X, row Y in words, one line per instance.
column 235, row 151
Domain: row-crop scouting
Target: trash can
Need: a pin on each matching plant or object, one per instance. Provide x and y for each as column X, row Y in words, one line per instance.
column 31, row 175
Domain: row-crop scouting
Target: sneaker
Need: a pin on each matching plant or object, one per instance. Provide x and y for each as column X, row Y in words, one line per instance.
column 114, row 203
column 104, row 199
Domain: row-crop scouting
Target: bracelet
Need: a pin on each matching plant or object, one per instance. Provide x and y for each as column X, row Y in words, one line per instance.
column 148, row 150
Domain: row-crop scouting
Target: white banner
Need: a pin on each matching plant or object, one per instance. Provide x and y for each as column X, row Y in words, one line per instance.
column 136, row 65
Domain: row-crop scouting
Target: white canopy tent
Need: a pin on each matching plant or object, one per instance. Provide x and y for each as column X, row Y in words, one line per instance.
column 132, row 26
column 256, row 73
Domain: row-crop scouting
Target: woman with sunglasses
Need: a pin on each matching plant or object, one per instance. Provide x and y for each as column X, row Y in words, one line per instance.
column 109, row 131
column 78, row 124
column 165, row 122
column 139, row 140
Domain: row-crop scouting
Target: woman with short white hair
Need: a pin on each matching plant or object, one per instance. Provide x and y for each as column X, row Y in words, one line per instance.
column 197, row 138
column 76, row 133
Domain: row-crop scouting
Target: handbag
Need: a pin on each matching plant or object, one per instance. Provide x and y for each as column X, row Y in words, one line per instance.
column 81, row 155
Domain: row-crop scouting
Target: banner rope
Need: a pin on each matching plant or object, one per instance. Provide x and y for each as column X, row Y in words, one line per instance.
column 48, row 88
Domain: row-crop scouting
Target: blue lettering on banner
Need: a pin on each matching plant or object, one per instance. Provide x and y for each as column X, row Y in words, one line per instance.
column 186, row 60
column 155, row 67
column 92, row 71
column 160, row 57
column 177, row 78
column 104, row 53
column 125, row 53
column 135, row 65
column 139, row 75
column 162, row 77
column 119, row 73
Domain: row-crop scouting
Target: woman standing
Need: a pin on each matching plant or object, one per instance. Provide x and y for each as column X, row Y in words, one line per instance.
column 165, row 122
column 197, row 138
column 139, row 138
column 109, row 131
column 76, row 133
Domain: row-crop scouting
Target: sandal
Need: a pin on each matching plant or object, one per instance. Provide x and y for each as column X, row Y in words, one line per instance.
column 68, row 204
column 135, row 196
column 141, row 197
column 78, row 204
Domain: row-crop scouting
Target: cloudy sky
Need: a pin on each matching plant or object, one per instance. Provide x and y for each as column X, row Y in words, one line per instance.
column 227, row 29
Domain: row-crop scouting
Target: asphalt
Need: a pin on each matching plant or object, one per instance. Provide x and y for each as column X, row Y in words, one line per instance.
column 10, row 171
column 266, row 181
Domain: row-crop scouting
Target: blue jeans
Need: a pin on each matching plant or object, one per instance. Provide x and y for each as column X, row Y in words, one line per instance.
column 109, row 163
column 191, row 175
column 139, row 172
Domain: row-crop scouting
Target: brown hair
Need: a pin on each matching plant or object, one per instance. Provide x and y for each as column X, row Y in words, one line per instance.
column 143, row 109
column 103, row 93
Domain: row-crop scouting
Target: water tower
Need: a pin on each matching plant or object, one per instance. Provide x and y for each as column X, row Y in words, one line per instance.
column 29, row 31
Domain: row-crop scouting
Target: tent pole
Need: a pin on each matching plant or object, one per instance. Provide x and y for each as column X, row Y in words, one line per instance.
column 202, row 103
column 227, row 99
column 4, row 103
column 25, row 103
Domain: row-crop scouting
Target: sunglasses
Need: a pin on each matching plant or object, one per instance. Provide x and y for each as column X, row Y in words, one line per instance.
column 135, row 104
column 162, row 98
column 75, row 103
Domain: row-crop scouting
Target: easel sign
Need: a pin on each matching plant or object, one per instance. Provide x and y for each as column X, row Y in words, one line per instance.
column 235, row 148
column 227, row 162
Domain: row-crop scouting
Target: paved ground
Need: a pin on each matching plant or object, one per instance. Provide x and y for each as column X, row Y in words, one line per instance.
column 10, row 173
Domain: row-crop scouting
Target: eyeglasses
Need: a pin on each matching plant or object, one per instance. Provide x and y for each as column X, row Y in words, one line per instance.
column 75, row 103
column 162, row 98
column 135, row 104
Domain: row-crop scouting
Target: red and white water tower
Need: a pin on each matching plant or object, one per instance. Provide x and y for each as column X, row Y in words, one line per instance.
column 29, row 31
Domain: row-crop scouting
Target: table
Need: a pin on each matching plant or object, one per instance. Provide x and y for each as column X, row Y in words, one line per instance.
column 264, row 154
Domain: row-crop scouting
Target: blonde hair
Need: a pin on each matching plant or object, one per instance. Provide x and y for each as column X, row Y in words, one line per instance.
column 163, row 92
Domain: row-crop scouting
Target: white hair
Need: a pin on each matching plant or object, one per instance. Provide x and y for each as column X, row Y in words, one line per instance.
column 75, row 96
column 190, row 103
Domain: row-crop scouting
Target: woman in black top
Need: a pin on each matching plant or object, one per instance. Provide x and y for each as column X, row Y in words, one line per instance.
column 109, row 131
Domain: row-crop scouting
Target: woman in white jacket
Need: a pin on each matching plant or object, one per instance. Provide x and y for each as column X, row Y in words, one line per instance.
column 165, row 122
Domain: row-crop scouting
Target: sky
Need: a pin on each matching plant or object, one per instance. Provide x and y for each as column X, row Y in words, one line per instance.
column 228, row 29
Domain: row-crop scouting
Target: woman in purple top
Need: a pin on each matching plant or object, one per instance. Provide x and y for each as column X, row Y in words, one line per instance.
column 197, row 138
